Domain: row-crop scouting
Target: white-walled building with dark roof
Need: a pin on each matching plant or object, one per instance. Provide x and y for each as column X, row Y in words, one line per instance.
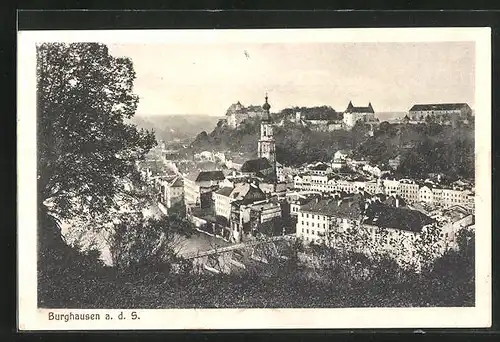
column 441, row 112
column 354, row 114
column 200, row 182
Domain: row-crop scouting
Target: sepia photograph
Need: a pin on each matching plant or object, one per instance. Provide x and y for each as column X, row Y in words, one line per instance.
column 204, row 179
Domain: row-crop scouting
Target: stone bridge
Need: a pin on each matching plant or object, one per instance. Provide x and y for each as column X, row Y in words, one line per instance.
column 195, row 255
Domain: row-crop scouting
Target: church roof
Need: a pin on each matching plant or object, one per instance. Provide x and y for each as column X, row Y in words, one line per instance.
column 255, row 165
column 238, row 159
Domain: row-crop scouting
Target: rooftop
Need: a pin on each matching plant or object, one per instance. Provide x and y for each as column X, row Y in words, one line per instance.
column 324, row 116
column 302, row 201
column 224, row 191
column 263, row 206
column 238, row 108
column 247, row 193
column 255, row 165
column 156, row 166
column 177, row 182
column 455, row 213
column 353, row 109
column 203, row 176
column 337, row 208
column 319, row 167
column 385, row 216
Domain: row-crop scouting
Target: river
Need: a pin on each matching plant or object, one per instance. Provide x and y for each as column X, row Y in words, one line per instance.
column 197, row 242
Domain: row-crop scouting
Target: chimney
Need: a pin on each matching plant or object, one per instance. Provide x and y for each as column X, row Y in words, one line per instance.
column 397, row 201
column 317, row 200
column 339, row 202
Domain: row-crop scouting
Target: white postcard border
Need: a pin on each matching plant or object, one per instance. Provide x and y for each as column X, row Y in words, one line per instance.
column 32, row 318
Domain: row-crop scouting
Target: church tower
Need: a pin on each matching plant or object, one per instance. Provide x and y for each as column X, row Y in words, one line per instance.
column 380, row 187
column 267, row 145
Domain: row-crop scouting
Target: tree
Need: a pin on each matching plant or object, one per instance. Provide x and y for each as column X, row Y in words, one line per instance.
column 86, row 147
column 273, row 227
column 429, row 119
column 428, row 246
column 145, row 244
column 177, row 210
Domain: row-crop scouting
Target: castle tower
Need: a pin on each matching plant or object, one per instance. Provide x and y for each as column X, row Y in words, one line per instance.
column 267, row 145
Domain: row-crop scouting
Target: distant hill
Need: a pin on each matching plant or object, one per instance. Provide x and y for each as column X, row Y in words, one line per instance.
column 423, row 148
column 170, row 127
column 295, row 144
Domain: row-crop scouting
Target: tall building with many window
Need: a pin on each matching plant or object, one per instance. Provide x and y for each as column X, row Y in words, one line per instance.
column 440, row 112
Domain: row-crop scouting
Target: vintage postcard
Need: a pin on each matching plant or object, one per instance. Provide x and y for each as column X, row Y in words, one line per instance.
column 254, row 179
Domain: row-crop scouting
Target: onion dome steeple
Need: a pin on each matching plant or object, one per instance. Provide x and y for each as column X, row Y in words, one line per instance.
column 266, row 106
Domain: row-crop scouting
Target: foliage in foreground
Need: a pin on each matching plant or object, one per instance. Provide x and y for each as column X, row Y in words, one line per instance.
column 340, row 281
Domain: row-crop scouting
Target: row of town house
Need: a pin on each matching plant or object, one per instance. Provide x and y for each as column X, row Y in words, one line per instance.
column 365, row 224
column 407, row 189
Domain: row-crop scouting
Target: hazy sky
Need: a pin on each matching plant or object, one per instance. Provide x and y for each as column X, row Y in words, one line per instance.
column 206, row 79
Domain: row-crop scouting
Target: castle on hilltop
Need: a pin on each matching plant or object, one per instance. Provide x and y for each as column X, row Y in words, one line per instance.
column 354, row 114
column 236, row 113
column 328, row 120
column 317, row 118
